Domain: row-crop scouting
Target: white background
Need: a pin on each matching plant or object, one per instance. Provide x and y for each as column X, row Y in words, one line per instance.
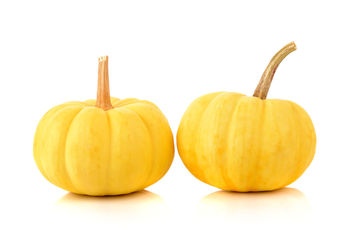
column 171, row 52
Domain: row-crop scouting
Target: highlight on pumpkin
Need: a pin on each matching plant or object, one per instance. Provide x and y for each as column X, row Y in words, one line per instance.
column 107, row 146
column 240, row 143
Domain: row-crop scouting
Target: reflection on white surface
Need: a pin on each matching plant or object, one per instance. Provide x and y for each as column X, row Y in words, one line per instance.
column 286, row 204
column 139, row 206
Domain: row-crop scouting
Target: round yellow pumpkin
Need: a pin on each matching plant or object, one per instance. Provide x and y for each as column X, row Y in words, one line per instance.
column 104, row 147
column 240, row 143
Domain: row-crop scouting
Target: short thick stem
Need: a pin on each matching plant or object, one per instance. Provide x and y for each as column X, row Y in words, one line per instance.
column 265, row 81
column 103, row 97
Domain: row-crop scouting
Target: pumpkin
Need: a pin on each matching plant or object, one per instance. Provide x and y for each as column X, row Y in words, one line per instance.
column 104, row 147
column 240, row 143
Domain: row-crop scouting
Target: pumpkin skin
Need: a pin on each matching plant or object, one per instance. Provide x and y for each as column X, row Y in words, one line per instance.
column 85, row 149
column 240, row 143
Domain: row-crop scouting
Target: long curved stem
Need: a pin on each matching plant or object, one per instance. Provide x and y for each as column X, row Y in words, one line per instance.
column 265, row 81
column 103, row 97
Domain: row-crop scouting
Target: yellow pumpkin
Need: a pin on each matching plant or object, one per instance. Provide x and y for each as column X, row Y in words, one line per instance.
column 104, row 147
column 241, row 143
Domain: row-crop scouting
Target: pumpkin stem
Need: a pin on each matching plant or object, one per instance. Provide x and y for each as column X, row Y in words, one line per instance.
column 265, row 81
column 103, row 100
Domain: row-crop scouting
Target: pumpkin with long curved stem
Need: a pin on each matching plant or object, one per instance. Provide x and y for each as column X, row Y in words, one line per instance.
column 104, row 147
column 240, row 143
